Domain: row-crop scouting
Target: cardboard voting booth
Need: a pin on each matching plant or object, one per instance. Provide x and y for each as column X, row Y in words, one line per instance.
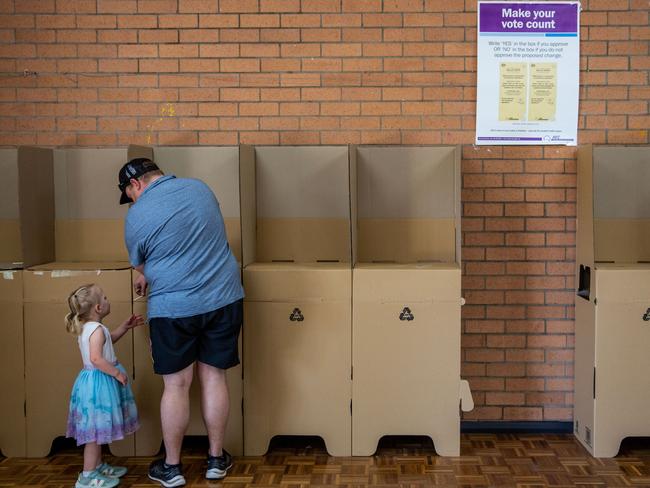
column 613, row 297
column 297, row 310
column 406, row 296
column 218, row 167
column 86, row 245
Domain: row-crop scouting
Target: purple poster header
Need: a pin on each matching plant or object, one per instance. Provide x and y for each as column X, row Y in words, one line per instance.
column 528, row 17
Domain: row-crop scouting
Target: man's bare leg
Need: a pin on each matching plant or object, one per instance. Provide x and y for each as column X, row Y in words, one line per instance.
column 175, row 412
column 215, row 404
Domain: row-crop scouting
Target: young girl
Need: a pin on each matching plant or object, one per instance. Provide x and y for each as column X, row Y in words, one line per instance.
column 102, row 408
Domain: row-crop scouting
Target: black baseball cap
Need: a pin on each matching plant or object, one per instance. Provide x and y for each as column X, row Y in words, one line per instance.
column 133, row 170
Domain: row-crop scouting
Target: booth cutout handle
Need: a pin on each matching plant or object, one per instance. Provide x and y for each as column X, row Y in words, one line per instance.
column 584, row 282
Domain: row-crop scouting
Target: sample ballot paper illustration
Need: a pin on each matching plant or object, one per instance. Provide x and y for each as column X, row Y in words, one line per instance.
column 528, row 73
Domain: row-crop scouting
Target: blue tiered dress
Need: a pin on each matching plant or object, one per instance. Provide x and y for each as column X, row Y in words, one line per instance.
column 102, row 410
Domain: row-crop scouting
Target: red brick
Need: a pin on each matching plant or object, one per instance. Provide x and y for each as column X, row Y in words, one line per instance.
column 522, row 413
column 411, row 34
column 197, row 6
column 486, row 384
column 320, row 35
column 320, row 5
column 240, row 94
column 219, row 50
column 147, row 36
column 219, row 21
column 217, row 109
column 496, row 398
column 280, row 35
column 359, row 123
column 382, row 20
column 279, row 5
column 340, row 137
column 117, row 6
column 238, row 6
column 281, row 65
column 423, row 20
column 158, row 65
column 300, row 108
column 320, row 64
column 117, row 36
column 179, row 50
column 217, row 138
column 362, row 5
column 484, row 355
column 199, row 65
column 380, row 137
column 186, row 81
column 483, row 239
column 240, row 35
column 270, row 138
column 341, row 50
column 279, row 123
column 339, row 79
column 259, row 79
column 307, row 138
column 18, row 22
column 361, row 64
column 319, row 123
column 609, row 33
column 268, row 21
column 341, row 20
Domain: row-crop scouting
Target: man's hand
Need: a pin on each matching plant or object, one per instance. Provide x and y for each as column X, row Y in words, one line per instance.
column 140, row 285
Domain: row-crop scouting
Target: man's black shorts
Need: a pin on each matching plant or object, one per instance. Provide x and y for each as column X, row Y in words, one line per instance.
column 209, row 337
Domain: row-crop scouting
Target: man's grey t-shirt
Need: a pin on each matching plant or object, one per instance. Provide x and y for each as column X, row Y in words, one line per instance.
column 176, row 229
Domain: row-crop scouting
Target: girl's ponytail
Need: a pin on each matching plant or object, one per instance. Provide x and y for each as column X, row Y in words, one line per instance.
column 80, row 301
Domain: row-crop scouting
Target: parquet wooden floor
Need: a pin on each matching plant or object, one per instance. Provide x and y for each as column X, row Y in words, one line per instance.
column 487, row 460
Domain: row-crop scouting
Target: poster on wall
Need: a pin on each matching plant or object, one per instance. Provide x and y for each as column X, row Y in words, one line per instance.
column 528, row 71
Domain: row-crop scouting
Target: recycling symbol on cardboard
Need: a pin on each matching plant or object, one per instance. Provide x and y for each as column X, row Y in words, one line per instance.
column 646, row 315
column 406, row 314
column 296, row 315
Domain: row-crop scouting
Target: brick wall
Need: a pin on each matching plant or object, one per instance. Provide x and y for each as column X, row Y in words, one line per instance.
column 113, row 72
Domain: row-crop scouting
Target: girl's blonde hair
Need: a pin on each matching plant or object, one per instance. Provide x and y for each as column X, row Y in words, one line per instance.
column 81, row 302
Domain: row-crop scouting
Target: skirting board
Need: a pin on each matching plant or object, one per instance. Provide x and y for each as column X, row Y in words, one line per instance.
column 496, row 427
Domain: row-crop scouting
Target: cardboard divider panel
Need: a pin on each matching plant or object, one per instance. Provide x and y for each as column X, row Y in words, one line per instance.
column 27, row 230
column 52, row 357
column 621, row 205
column 613, row 296
column 11, row 242
column 89, row 218
column 12, row 365
column 303, row 209
column 26, row 207
column 407, row 201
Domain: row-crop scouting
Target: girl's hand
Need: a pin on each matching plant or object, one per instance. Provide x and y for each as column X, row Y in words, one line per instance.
column 122, row 378
column 133, row 321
